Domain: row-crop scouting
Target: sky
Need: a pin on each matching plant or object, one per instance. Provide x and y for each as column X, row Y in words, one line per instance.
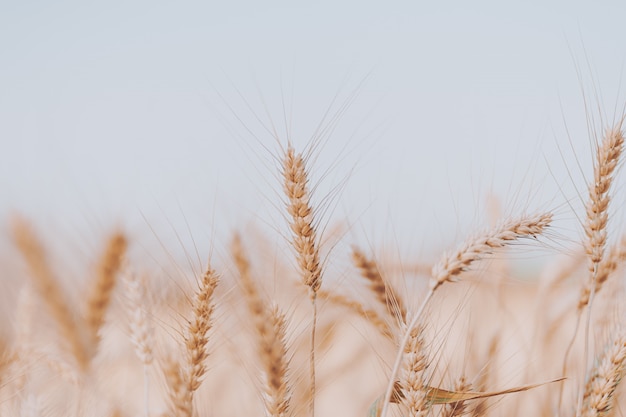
column 158, row 116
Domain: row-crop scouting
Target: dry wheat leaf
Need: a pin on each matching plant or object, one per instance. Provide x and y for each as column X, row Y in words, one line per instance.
column 442, row 396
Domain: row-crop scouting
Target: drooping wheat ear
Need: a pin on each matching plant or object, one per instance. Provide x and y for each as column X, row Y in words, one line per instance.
column 100, row 293
column 607, row 158
column 47, row 287
column 598, row 397
column 269, row 325
column 371, row 316
column 274, row 359
column 412, row 380
column 383, row 291
column 141, row 331
column 457, row 408
column 184, row 379
column 452, row 265
column 615, row 257
column 304, row 239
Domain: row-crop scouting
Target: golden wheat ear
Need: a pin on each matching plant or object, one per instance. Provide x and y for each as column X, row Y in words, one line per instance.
column 270, row 327
column 47, row 287
column 304, row 239
column 102, row 287
column 384, row 292
column 185, row 378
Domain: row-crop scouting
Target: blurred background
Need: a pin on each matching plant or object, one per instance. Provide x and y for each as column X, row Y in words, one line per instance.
column 162, row 117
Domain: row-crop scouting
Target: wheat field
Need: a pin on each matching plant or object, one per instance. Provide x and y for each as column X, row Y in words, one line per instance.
column 326, row 328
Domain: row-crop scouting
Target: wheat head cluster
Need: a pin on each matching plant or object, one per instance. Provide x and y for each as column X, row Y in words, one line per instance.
column 450, row 336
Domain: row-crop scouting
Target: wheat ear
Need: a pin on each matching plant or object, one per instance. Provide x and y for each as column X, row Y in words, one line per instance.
column 46, row 285
column 371, row 316
column 274, row 358
column 413, row 380
column 383, row 291
column 615, row 256
column 270, row 330
column 304, row 238
column 598, row 396
column 141, row 332
column 607, row 158
column 251, row 293
column 185, row 380
column 453, row 264
column 100, row 293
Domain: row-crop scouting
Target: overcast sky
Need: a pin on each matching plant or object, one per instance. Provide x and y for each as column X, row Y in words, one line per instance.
column 149, row 113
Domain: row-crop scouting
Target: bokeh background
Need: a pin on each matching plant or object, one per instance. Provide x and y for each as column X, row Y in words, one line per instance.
column 158, row 116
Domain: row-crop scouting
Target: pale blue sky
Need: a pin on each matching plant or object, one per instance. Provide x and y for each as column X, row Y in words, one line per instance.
column 116, row 111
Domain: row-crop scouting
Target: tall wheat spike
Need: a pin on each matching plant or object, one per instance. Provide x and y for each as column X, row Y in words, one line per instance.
column 304, row 238
column 270, row 327
column 184, row 379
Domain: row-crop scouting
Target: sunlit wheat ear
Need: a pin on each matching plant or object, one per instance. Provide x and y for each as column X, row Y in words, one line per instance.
column 607, row 158
column 450, row 267
column 101, row 289
column 47, row 287
column 270, row 328
column 383, row 291
column 600, row 389
column 615, row 257
column 185, row 378
column 251, row 294
column 274, row 359
column 413, row 379
column 453, row 264
column 371, row 316
column 304, row 239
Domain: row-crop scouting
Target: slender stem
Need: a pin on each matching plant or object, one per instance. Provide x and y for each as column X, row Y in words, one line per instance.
column 312, row 356
column 581, row 388
column 565, row 359
column 146, row 391
column 398, row 362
